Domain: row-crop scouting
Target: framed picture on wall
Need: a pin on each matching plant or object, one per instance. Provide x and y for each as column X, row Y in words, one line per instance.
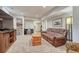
column 57, row 22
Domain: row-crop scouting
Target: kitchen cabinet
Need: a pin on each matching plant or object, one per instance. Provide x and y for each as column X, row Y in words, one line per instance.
column 6, row 40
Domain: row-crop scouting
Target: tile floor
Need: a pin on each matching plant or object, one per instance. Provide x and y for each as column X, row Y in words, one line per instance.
column 23, row 45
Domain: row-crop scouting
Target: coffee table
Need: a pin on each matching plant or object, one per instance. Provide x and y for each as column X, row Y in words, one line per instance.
column 36, row 39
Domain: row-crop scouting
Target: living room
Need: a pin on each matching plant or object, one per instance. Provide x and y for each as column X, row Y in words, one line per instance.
column 39, row 23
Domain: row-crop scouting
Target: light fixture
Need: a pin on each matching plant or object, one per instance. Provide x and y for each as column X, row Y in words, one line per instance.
column 69, row 20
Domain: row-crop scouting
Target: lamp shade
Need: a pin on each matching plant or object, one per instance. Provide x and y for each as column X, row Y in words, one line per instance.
column 69, row 20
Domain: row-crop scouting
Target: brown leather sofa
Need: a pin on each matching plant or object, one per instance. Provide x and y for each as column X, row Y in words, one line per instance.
column 56, row 37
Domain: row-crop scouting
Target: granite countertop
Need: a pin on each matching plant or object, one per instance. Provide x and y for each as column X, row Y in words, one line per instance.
column 6, row 31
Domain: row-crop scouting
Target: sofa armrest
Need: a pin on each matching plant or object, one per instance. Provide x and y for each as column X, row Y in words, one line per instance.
column 59, row 38
column 44, row 31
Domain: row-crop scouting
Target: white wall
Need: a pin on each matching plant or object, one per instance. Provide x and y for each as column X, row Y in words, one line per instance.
column 37, row 26
column 50, row 22
column 32, row 24
column 75, row 27
column 14, row 22
column 44, row 25
column 47, row 22
column 15, row 25
column 64, row 16
column 28, row 24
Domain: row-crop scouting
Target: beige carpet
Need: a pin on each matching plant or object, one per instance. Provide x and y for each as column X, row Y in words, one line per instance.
column 23, row 45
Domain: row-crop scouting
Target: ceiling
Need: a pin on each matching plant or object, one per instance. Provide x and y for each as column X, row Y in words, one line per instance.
column 30, row 11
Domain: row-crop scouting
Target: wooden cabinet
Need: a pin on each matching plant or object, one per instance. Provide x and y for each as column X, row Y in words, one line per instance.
column 6, row 40
column 2, row 43
column 36, row 39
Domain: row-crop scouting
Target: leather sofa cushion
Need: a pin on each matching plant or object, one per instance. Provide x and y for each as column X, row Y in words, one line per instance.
column 58, row 35
column 52, row 35
column 48, row 35
column 54, row 30
column 55, row 34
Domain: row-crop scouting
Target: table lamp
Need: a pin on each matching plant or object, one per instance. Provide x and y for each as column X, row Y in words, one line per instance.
column 69, row 27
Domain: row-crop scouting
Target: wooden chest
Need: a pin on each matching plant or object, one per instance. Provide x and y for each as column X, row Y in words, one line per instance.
column 36, row 39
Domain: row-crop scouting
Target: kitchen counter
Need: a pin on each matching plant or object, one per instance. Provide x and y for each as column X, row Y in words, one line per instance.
column 7, row 31
column 7, row 38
